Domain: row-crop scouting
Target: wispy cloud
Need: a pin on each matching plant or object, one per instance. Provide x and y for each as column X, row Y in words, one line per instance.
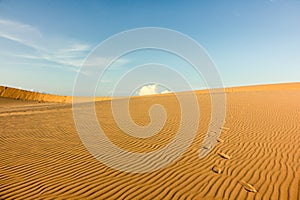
column 95, row 61
column 77, row 48
column 61, row 52
column 21, row 33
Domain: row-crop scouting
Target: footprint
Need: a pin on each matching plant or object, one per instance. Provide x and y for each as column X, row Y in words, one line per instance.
column 207, row 147
column 217, row 169
column 248, row 187
column 220, row 140
column 224, row 155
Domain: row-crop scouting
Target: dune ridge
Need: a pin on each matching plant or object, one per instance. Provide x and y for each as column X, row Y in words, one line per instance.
column 20, row 94
column 42, row 156
column 15, row 93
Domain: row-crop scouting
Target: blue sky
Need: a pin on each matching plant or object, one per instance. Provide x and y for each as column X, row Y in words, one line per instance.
column 43, row 43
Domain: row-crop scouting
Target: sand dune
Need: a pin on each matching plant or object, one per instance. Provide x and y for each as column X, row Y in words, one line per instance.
column 19, row 94
column 28, row 95
column 42, row 156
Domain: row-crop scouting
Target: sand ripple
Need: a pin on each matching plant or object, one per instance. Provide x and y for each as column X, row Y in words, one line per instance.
column 42, row 156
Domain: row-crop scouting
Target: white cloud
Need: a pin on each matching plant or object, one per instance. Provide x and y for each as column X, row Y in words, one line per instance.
column 148, row 90
column 165, row 92
column 151, row 89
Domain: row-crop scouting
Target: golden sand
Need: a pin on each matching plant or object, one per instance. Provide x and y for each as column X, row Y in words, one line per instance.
column 42, row 156
column 19, row 94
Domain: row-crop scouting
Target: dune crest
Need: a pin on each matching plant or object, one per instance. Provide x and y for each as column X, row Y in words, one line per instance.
column 15, row 93
column 19, row 94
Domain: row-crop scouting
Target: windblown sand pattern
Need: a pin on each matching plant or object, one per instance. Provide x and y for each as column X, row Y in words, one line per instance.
column 42, row 156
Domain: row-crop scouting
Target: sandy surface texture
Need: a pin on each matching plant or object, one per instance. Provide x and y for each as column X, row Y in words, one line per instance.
column 256, row 157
